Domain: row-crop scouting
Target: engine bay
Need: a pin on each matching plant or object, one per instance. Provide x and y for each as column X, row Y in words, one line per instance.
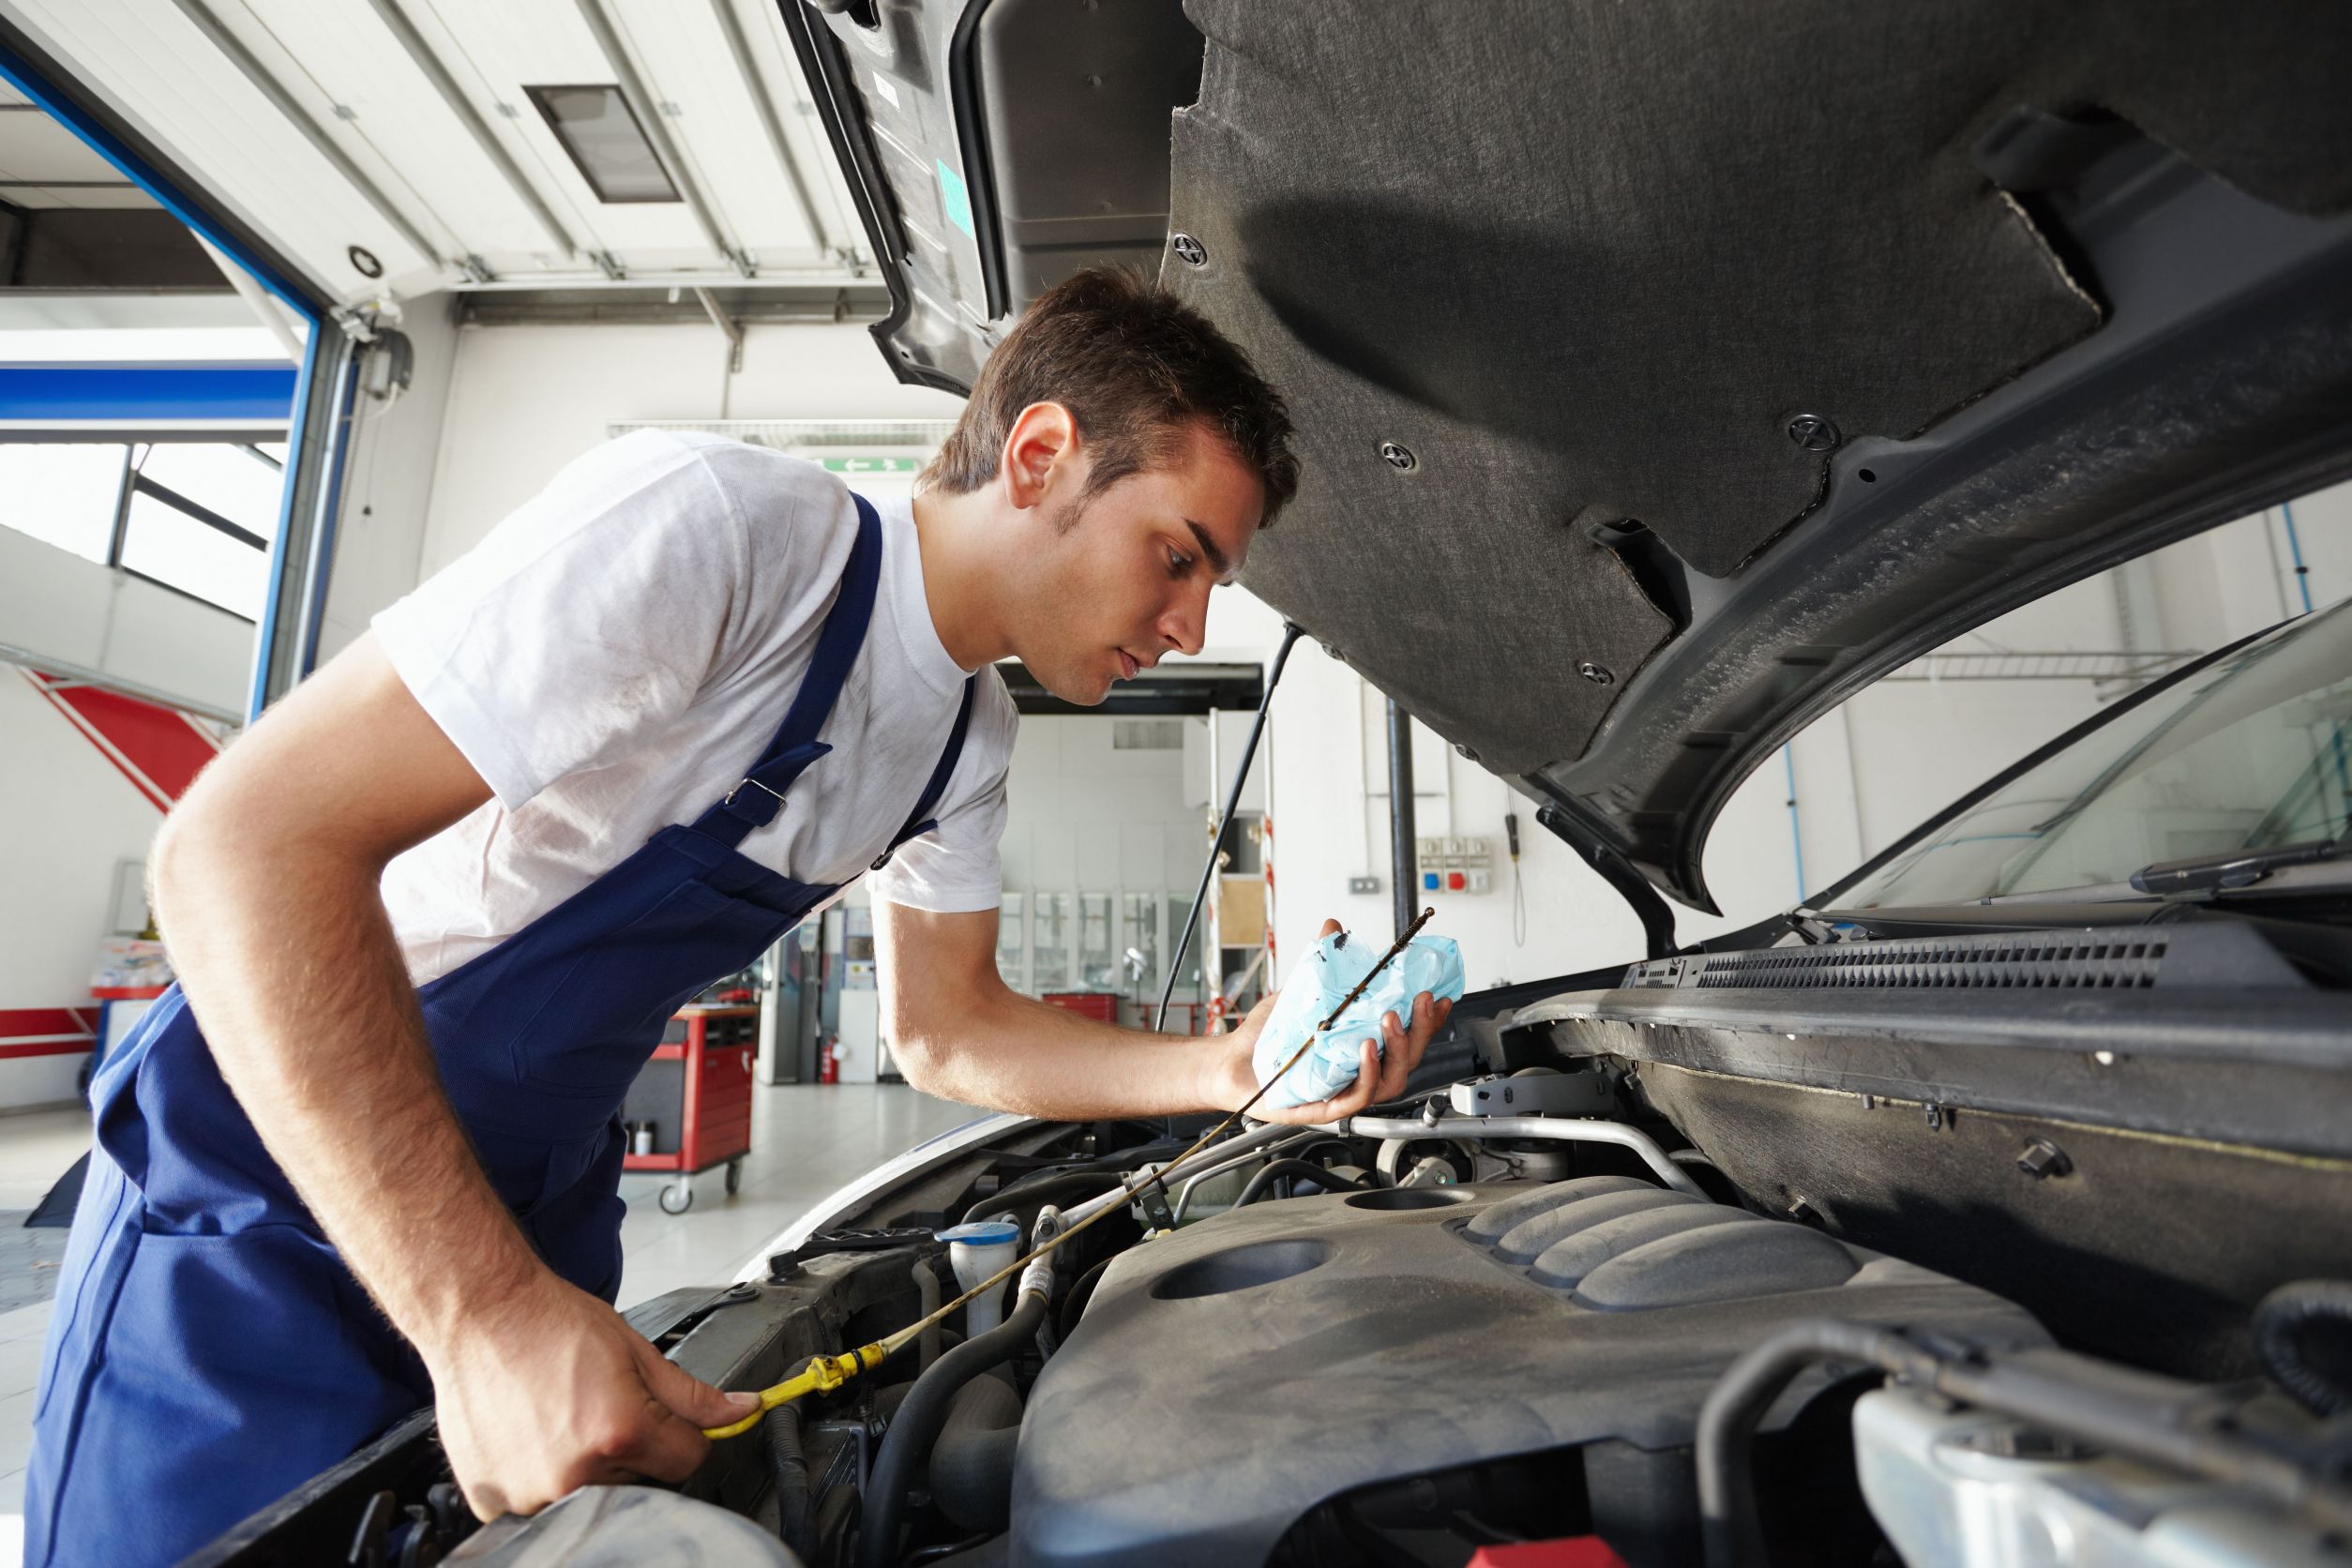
column 1516, row 1308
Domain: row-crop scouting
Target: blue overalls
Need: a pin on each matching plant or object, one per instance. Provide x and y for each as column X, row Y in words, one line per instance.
column 210, row 1351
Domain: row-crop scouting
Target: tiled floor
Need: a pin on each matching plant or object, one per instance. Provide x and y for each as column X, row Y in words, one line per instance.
column 807, row 1141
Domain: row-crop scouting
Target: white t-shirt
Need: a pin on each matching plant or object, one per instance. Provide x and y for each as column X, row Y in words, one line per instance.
column 613, row 655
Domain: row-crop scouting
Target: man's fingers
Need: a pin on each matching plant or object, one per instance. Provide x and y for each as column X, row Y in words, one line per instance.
column 1359, row 1094
column 669, row 1446
column 689, row 1396
column 1332, row 928
column 1404, row 1051
column 1405, row 1047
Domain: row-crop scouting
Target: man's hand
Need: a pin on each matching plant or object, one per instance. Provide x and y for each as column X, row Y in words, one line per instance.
column 1382, row 1077
column 556, row 1391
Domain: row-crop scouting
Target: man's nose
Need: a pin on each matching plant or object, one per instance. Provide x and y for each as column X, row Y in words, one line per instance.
column 1185, row 626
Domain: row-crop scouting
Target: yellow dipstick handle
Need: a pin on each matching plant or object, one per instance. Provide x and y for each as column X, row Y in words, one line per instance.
column 822, row 1376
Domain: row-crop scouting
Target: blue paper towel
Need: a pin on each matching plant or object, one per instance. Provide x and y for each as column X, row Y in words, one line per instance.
column 1338, row 963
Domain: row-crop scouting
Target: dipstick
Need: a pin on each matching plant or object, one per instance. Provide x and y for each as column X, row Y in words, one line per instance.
column 825, row 1373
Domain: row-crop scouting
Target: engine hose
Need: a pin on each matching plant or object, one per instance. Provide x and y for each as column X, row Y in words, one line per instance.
column 2054, row 1391
column 907, row 1448
column 788, row 1468
column 1044, row 1190
column 1081, row 1291
column 2303, row 1332
column 1297, row 1169
column 972, row 1464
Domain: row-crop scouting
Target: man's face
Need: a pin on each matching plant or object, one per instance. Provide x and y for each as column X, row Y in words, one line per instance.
column 1123, row 578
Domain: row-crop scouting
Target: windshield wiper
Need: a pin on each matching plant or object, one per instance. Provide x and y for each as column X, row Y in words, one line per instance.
column 2229, row 871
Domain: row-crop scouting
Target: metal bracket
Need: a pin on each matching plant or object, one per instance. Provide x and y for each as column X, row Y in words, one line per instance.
column 725, row 324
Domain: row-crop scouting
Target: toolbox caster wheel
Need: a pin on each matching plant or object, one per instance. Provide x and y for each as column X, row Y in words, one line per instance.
column 734, row 1177
column 677, row 1198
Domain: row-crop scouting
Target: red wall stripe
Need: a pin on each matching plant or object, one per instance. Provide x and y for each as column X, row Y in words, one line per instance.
column 47, row 1048
column 17, row 1022
column 47, row 1031
column 158, row 749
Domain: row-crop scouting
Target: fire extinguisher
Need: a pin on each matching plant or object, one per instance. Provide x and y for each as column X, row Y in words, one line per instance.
column 829, row 1060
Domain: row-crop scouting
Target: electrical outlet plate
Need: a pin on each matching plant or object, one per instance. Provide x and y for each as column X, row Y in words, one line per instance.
column 1364, row 884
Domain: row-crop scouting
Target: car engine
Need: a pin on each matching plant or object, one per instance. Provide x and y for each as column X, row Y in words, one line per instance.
column 1342, row 1365
column 1511, row 1315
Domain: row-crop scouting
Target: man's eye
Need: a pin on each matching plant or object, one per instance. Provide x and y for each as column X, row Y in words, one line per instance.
column 1178, row 563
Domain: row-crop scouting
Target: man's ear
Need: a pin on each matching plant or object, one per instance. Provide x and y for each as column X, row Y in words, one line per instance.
column 1044, row 441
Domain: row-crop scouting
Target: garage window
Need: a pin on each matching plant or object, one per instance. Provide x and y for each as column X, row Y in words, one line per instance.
column 64, row 495
column 192, row 517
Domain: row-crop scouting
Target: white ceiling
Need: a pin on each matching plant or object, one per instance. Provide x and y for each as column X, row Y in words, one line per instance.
column 42, row 164
column 345, row 72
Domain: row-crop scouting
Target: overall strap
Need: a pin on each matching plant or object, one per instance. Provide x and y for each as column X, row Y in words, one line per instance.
column 754, row 802
column 920, row 819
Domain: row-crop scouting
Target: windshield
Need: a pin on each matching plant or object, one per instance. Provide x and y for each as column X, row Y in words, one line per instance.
column 2252, row 752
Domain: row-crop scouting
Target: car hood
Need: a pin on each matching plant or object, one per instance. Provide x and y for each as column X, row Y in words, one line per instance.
column 1663, row 374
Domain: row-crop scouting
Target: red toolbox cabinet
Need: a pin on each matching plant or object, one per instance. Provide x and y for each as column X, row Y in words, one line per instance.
column 1102, row 1007
column 697, row 1094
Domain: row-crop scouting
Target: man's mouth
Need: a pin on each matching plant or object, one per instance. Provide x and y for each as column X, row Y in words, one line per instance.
column 1127, row 665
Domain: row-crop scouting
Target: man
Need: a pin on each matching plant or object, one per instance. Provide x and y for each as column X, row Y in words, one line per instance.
column 430, row 913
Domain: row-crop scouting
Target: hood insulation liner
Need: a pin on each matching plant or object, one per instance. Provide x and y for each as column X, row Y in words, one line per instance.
column 1587, row 262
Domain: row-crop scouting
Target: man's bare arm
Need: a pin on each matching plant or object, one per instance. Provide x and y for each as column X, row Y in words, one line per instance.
column 958, row 1031
column 267, row 889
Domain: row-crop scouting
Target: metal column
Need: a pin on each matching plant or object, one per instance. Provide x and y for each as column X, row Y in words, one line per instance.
column 1404, row 847
column 301, row 555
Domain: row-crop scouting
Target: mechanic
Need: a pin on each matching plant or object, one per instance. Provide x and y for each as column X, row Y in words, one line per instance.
column 430, row 913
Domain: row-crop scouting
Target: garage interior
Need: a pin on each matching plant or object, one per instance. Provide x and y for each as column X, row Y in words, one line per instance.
column 299, row 300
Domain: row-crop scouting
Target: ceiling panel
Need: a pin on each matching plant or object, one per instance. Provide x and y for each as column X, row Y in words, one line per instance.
column 779, row 74
column 520, row 43
column 160, row 73
column 349, row 74
column 359, row 86
column 85, row 198
column 682, row 53
column 34, row 146
column 44, row 165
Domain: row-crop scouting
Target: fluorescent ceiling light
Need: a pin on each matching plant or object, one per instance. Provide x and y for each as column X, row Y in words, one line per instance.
column 605, row 142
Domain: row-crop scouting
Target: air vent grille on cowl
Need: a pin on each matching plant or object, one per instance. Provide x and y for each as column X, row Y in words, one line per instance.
column 2037, row 961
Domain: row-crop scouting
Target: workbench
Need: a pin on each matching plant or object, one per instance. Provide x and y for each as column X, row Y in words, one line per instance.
column 697, row 1092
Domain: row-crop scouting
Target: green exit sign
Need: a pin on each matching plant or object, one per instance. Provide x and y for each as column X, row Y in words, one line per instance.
column 873, row 465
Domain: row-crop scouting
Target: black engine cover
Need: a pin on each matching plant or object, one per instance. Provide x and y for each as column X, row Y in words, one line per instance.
column 1227, row 1379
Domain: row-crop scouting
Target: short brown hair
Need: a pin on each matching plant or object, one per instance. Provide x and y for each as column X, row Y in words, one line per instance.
column 1133, row 365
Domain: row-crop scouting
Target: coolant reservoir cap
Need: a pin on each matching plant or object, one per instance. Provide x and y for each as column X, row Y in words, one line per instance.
column 985, row 1232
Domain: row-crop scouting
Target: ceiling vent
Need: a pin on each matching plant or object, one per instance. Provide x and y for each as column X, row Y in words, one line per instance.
column 606, row 144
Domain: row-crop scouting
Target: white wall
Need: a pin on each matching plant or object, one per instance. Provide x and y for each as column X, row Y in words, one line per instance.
column 527, row 400
column 67, row 819
column 1327, row 748
column 1082, row 817
column 389, row 479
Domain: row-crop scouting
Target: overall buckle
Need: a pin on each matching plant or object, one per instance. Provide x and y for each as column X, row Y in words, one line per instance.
column 729, row 799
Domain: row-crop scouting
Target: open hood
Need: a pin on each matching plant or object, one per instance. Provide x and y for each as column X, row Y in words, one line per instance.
column 1663, row 373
